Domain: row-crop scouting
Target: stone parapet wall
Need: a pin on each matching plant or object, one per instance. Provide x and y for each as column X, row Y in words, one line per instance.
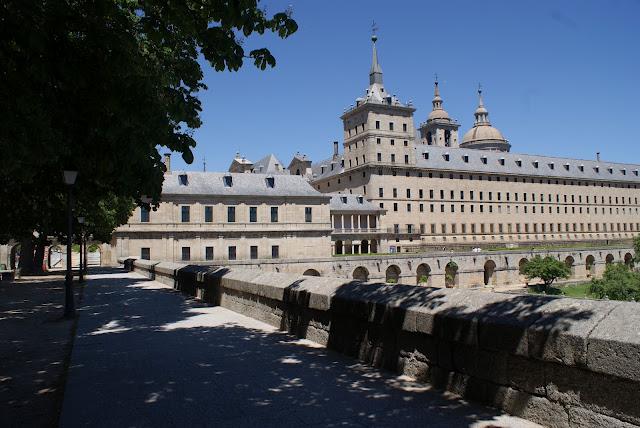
column 557, row 361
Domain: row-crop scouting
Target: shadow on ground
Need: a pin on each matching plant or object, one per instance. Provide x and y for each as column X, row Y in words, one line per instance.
column 145, row 356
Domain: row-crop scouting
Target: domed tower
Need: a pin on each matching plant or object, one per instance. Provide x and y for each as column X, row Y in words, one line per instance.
column 483, row 136
column 439, row 129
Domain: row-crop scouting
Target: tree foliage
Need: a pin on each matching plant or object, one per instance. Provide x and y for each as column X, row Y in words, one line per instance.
column 547, row 269
column 636, row 249
column 100, row 86
column 618, row 283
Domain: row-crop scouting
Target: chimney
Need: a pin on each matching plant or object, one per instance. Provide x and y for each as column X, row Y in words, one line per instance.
column 167, row 162
column 598, row 156
column 335, row 148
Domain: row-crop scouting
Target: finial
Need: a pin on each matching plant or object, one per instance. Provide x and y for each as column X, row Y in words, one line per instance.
column 204, row 164
column 435, row 77
column 374, row 29
column 479, row 88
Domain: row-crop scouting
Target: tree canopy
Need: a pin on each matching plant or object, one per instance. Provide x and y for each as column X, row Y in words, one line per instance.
column 547, row 269
column 99, row 86
column 618, row 283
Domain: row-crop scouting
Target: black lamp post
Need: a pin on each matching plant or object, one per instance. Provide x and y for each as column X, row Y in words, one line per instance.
column 81, row 275
column 69, row 304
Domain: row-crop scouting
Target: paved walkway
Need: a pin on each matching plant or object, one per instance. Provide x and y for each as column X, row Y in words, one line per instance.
column 145, row 356
column 35, row 343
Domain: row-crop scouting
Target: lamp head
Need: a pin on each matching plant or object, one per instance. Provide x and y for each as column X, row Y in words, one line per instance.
column 70, row 177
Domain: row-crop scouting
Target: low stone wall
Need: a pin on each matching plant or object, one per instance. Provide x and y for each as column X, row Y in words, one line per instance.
column 559, row 362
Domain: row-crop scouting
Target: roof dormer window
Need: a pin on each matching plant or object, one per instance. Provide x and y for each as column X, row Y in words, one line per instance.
column 446, row 157
column 519, row 162
column 465, row 158
column 271, row 182
column 425, row 155
column 566, row 166
column 581, row 168
column 360, row 199
column 343, row 199
column 536, row 164
column 227, row 180
column 623, row 171
column 552, row 165
column 596, row 169
column 635, row 172
column 610, row 170
column 483, row 159
column 183, row 180
column 501, row 161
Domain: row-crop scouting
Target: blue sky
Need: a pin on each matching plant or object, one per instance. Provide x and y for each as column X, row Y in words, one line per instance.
column 559, row 78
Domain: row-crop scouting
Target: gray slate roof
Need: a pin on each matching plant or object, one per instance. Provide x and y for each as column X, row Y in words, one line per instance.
column 521, row 164
column 353, row 203
column 316, row 168
column 514, row 164
column 212, row 184
column 269, row 164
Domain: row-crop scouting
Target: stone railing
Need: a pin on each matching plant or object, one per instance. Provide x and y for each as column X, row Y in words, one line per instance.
column 557, row 361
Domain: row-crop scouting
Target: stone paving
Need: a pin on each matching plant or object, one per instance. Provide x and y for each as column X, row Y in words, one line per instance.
column 35, row 343
column 145, row 356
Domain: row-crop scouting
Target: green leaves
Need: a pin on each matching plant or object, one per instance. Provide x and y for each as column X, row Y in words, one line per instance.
column 618, row 283
column 99, row 86
column 547, row 269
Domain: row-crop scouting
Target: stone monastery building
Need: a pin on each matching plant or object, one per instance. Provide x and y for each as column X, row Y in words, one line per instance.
column 392, row 189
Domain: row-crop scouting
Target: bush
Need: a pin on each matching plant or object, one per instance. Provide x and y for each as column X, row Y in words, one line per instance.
column 617, row 283
column 547, row 269
column 392, row 281
column 423, row 279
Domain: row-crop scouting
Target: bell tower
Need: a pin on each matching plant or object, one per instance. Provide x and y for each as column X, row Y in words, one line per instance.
column 379, row 128
column 439, row 129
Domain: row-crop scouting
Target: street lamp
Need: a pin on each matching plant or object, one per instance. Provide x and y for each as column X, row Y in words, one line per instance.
column 81, row 223
column 69, row 304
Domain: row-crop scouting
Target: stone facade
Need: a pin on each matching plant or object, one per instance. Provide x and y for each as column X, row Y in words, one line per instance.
column 220, row 217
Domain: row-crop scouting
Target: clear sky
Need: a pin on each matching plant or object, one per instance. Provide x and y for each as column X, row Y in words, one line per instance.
column 559, row 78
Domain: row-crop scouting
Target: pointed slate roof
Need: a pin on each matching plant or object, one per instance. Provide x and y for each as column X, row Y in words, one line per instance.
column 269, row 164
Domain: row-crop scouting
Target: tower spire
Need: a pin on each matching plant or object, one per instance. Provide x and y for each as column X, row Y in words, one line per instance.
column 437, row 100
column 481, row 114
column 375, row 75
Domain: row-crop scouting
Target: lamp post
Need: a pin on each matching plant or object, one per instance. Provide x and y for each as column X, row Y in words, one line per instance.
column 69, row 304
column 81, row 275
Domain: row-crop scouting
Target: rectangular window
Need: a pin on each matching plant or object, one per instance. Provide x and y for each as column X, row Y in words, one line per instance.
column 404, row 127
column 208, row 214
column 307, row 214
column 232, row 252
column 186, row 253
column 231, row 214
column 408, row 193
column 144, row 215
column 253, row 252
column 145, row 253
column 406, row 158
column 208, row 253
column 377, row 124
column 185, row 214
column 379, row 157
column 381, row 192
column 274, row 214
column 390, row 126
column 253, row 214
column 393, row 158
column 275, row 252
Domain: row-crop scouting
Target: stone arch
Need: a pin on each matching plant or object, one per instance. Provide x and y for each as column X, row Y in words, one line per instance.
column 490, row 277
column 570, row 262
column 339, row 247
column 521, row 264
column 361, row 273
column 311, row 272
column 451, row 274
column 423, row 274
column 392, row 274
column 628, row 260
column 590, row 265
column 609, row 259
column 364, row 246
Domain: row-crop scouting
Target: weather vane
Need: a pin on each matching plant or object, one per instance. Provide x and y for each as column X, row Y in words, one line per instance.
column 374, row 27
column 435, row 76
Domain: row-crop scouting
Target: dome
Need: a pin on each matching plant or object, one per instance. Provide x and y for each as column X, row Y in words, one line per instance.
column 480, row 133
column 438, row 114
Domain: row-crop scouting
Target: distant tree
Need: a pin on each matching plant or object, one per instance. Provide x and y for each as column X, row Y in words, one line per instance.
column 101, row 86
column 547, row 269
column 618, row 283
column 636, row 249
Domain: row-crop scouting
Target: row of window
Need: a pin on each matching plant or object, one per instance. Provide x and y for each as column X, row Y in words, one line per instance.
column 526, row 209
column 516, row 196
column 185, row 214
column 535, row 163
column 391, row 126
column 185, row 254
column 506, row 179
column 519, row 228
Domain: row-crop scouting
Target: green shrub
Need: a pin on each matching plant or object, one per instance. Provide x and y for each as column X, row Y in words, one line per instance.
column 392, row 281
column 423, row 279
column 618, row 283
column 547, row 269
